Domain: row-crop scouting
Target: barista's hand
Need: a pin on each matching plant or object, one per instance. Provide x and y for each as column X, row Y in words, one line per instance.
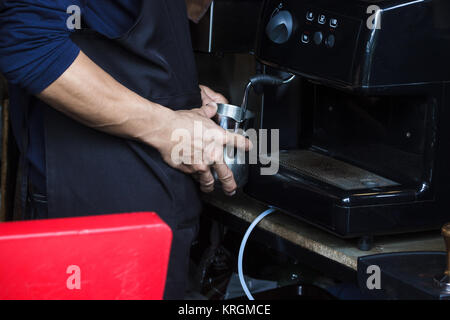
column 193, row 143
column 210, row 96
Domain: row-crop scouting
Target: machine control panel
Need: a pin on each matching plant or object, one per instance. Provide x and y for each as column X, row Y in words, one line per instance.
column 307, row 39
column 324, row 36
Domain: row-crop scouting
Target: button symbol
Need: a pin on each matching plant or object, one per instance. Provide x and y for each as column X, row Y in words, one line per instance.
column 310, row 16
column 318, row 37
column 305, row 38
column 333, row 23
column 322, row 19
column 330, row 41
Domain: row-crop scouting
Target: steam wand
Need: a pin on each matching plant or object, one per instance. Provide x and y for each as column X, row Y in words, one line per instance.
column 262, row 79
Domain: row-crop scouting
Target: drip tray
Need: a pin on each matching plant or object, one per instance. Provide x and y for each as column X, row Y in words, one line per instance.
column 331, row 171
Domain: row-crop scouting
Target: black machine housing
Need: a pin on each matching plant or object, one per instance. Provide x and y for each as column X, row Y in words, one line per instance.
column 372, row 143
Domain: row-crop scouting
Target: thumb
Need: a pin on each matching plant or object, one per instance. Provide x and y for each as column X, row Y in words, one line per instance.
column 210, row 110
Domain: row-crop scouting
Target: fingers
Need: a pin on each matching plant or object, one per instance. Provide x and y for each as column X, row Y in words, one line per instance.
column 202, row 173
column 210, row 95
column 209, row 110
column 226, row 178
column 218, row 98
column 214, row 156
column 204, row 177
column 206, row 180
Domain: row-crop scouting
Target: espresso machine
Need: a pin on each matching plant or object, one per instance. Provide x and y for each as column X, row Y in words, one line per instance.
column 370, row 150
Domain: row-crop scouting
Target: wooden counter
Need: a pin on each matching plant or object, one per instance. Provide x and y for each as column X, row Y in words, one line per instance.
column 316, row 240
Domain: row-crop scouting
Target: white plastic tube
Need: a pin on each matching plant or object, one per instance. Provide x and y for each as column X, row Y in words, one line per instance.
column 242, row 249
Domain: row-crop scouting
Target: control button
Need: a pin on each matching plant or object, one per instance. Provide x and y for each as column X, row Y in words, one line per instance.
column 310, row 16
column 280, row 27
column 322, row 19
column 330, row 41
column 318, row 37
column 305, row 38
column 333, row 23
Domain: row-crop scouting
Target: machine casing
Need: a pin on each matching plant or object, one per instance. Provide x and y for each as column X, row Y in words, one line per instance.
column 372, row 143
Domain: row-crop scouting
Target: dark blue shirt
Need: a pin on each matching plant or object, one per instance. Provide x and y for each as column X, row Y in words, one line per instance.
column 36, row 49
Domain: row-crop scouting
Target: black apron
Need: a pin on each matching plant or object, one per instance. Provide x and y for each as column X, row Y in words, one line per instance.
column 92, row 173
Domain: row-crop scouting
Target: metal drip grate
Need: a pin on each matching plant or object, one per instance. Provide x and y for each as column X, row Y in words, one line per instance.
column 332, row 171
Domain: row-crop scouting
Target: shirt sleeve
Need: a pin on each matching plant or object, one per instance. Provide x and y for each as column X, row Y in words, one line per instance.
column 35, row 44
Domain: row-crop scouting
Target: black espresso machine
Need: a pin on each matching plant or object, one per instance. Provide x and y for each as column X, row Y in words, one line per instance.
column 371, row 151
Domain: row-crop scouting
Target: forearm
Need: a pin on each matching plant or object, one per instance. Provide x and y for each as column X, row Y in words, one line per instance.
column 89, row 95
